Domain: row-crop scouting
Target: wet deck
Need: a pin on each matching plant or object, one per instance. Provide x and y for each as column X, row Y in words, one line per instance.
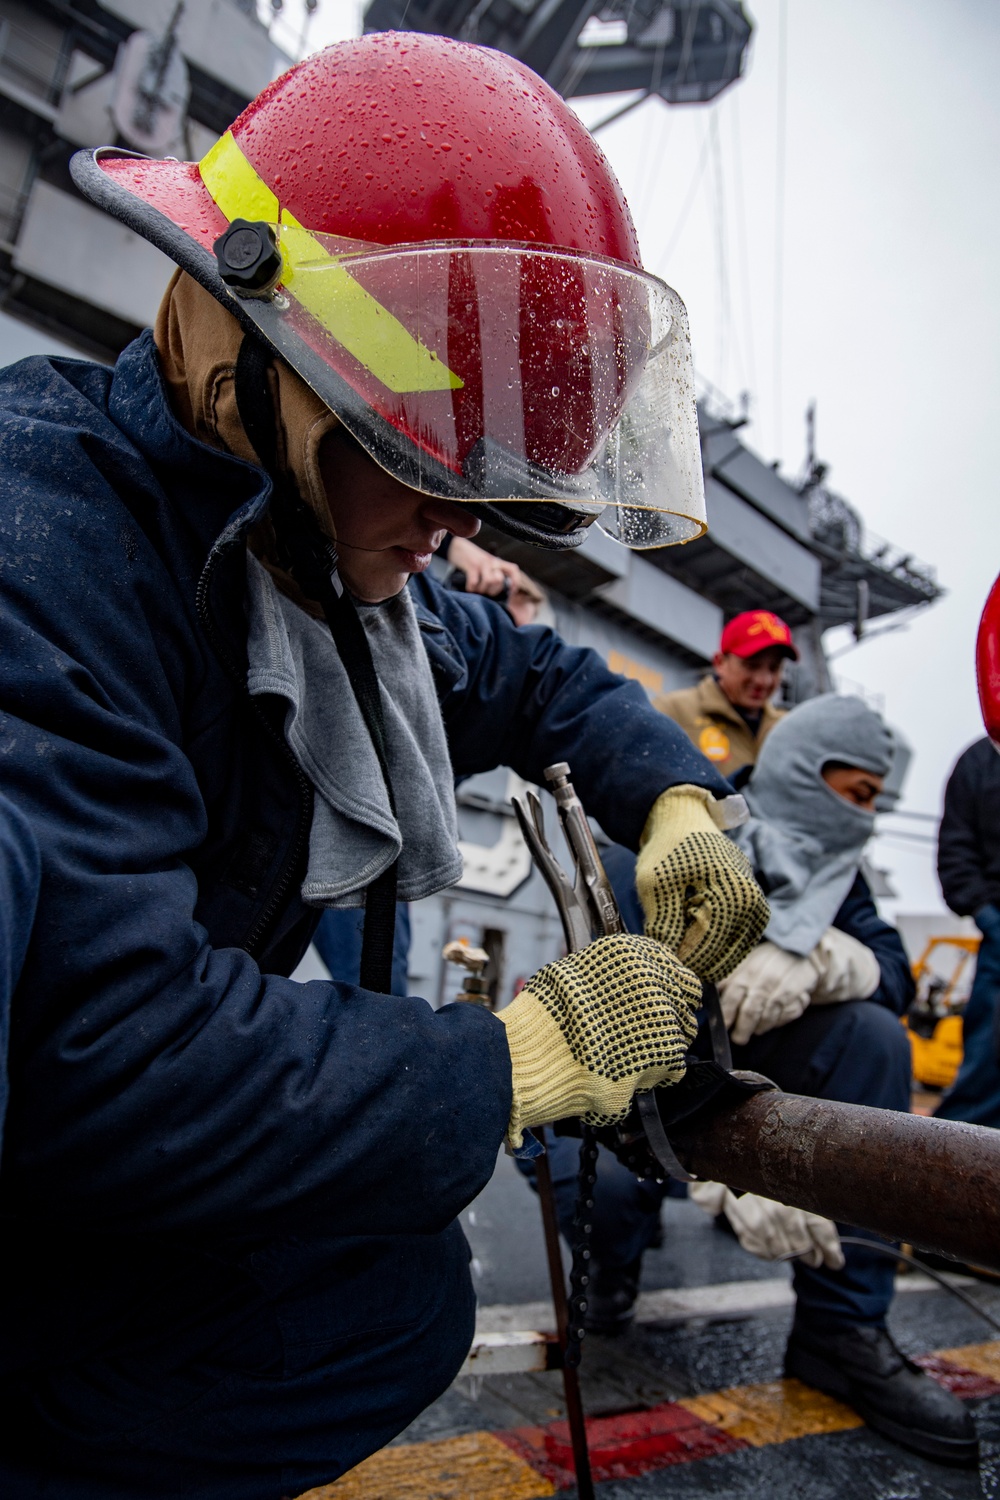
column 691, row 1401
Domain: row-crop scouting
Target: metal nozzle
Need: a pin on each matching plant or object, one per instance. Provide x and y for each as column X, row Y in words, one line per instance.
column 461, row 953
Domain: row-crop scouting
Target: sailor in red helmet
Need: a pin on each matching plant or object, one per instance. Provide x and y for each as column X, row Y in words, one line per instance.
column 409, row 295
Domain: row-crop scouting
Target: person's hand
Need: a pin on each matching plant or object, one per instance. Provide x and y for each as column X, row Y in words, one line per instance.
column 484, row 573
column 590, row 1029
column 846, row 969
column 771, row 1230
column 772, row 986
column 769, row 988
column 697, row 889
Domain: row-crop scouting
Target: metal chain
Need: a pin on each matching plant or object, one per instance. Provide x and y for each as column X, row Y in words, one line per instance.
column 583, row 1228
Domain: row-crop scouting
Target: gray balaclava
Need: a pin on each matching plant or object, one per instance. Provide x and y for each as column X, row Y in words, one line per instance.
column 804, row 841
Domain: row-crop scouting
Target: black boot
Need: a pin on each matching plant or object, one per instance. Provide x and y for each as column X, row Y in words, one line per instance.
column 611, row 1299
column 861, row 1366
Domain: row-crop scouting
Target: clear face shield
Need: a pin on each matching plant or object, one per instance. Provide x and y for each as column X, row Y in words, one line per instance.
column 500, row 373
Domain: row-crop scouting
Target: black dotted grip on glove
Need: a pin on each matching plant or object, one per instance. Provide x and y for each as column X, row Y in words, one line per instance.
column 724, row 914
column 624, row 1004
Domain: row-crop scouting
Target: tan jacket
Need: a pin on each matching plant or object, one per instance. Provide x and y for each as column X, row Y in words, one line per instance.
column 712, row 724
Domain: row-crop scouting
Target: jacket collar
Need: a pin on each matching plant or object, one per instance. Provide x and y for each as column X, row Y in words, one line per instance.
column 712, row 700
column 214, row 491
column 217, row 498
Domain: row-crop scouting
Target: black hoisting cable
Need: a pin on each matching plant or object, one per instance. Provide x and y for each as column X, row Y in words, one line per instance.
column 312, row 560
column 893, row 1252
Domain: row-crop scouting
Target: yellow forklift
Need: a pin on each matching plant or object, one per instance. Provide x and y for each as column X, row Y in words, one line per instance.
column 934, row 1020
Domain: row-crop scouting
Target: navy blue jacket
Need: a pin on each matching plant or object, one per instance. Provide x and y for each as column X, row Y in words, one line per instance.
column 969, row 839
column 19, row 877
column 164, row 1072
column 859, row 918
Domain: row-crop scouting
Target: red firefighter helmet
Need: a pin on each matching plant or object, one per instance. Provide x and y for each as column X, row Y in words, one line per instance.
column 428, row 235
column 988, row 664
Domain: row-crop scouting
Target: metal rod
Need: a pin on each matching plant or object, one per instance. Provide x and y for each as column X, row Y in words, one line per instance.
column 616, row 114
column 571, row 1379
column 932, row 1183
column 592, row 886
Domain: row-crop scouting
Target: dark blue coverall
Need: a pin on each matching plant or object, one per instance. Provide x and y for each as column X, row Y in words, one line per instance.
column 230, row 1266
column 19, row 877
column 969, row 871
column 855, row 1052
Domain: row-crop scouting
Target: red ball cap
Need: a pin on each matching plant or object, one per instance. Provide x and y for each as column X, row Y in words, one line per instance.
column 756, row 630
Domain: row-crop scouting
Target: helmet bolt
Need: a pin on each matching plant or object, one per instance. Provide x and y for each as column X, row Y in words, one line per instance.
column 248, row 258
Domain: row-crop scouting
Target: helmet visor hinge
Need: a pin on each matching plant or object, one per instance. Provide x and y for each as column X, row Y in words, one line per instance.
column 248, row 258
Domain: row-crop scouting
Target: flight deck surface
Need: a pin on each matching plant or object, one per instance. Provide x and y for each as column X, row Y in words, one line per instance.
column 690, row 1402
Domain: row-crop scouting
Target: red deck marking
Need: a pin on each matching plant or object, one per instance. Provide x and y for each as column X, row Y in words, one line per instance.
column 624, row 1446
column 971, row 1385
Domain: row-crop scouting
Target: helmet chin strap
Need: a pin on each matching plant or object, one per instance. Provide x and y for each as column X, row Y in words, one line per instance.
column 312, row 560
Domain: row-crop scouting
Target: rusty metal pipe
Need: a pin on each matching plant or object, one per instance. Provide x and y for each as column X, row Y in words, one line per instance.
column 932, row 1183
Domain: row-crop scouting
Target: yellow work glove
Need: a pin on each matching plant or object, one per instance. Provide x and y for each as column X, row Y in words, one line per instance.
column 591, row 1028
column 696, row 887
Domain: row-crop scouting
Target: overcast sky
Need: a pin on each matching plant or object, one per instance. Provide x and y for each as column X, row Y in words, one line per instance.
column 888, row 305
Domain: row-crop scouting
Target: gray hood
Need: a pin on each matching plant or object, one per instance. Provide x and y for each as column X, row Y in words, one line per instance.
column 804, row 841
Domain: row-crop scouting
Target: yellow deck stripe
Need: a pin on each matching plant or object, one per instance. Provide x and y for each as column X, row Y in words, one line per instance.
column 476, row 1466
column 353, row 317
column 772, row 1412
column 981, row 1359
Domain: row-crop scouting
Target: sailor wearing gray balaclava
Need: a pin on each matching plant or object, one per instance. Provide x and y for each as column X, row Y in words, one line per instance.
column 804, row 839
column 815, row 1007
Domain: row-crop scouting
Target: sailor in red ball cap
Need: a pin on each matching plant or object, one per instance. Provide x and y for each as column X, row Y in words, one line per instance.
column 730, row 712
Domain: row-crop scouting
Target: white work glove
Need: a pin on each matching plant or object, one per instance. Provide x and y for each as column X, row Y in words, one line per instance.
column 772, row 987
column 847, row 969
column 770, row 1230
column 769, row 988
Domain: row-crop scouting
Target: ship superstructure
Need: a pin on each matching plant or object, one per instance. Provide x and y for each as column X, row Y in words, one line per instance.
column 156, row 76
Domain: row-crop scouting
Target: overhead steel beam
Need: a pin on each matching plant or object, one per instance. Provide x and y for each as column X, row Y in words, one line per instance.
column 684, row 51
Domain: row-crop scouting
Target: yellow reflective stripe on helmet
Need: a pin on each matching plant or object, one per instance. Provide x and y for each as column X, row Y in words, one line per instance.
column 234, row 185
column 366, row 329
column 356, row 319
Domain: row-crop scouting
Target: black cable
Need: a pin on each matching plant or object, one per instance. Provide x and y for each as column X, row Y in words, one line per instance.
column 583, row 1229
column 911, row 1260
